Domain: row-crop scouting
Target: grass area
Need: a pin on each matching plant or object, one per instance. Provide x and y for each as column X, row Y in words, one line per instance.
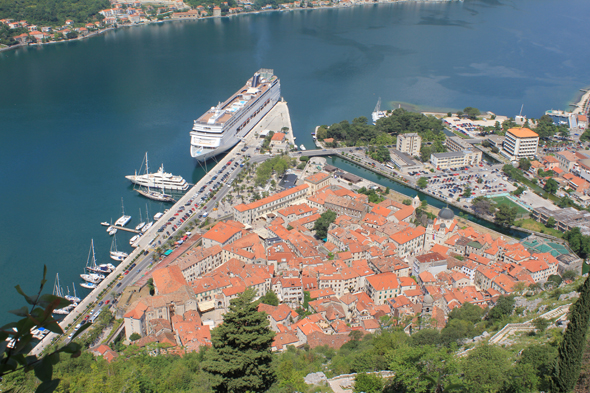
column 502, row 200
column 460, row 134
column 533, row 225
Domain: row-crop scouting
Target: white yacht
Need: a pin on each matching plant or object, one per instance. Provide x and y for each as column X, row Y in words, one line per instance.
column 157, row 216
column 159, row 179
column 111, row 230
column 302, row 148
column 92, row 278
column 88, row 285
column 133, row 240
column 378, row 113
column 147, row 227
column 224, row 125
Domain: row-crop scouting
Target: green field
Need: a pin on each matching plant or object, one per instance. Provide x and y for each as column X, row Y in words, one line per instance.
column 502, row 200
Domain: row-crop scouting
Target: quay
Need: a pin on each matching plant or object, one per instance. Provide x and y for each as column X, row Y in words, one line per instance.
column 277, row 118
column 125, row 229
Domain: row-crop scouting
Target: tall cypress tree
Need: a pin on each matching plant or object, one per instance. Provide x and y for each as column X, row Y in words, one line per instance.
column 569, row 359
column 241, row 355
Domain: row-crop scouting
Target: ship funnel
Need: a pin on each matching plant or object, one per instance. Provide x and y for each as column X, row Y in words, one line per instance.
column 255, row 79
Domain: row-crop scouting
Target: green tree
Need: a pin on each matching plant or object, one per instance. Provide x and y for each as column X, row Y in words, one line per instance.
column 485, row 368
column 422, row 182
column 505, row 215
column 569, row 360
column 368, row 383
column 467, row 192
column 323, row 223
column 240, row 358
column 524, row 164
column 482, row 205
column 541, row 324
column 472, row 113
column 551, row 222
column 134, row 336
column 270, row 298
column 502, row 309
column 551, row 186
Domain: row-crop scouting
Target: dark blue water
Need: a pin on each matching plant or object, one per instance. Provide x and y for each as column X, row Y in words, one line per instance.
column 76, row 117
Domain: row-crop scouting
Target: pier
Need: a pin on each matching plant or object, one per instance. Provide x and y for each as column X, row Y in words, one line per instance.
column 125, row 229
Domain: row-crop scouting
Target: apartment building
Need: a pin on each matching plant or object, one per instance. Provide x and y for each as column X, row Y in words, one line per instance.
column 520, row 143
column 247, row 213
column 455, row 159
column 409, row 143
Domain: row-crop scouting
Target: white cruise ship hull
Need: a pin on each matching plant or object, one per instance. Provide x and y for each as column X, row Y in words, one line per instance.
column 211, row 139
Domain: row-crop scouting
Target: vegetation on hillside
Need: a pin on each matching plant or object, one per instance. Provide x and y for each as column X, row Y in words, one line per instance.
column 52, row 12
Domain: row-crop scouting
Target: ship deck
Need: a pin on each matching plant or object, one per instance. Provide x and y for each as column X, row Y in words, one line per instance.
column 236, row 102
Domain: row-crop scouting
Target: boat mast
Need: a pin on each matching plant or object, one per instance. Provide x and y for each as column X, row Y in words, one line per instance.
column 74, row 285
column 122, row 206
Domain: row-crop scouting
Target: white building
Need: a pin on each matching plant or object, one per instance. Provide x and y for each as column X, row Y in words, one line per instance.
column 520, row 143
column 409, row 143
column 455, row 159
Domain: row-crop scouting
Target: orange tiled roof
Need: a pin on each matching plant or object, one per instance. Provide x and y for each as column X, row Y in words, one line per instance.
column 522, row 133
column 243, row 207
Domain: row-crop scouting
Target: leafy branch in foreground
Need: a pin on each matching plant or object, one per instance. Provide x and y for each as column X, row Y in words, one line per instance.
column 16, row 338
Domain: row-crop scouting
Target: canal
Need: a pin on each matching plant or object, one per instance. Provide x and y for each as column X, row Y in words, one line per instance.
column 402, row 189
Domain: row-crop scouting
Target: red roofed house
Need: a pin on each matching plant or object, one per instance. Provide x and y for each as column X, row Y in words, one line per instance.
column 247, row 213
column 409, row 241
column 382, row 287
column 539, row 269
column 317, row 181
column 222, row 233
column 107, row 353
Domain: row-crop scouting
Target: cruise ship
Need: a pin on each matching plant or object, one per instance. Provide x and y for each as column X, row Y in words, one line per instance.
column 223, row 126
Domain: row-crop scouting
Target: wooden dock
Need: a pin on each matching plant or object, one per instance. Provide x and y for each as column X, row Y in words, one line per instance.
column 126, row 229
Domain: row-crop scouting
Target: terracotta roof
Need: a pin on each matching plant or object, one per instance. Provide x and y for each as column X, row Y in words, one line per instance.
column 168, row 279
column 278, row 136
column 317, row 177
column 408, row 234
column 522, row 133
column 221, row 232
column 383, row 281
column 243, row 207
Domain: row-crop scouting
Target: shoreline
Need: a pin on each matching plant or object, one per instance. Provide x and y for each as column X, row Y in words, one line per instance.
column 337, row 6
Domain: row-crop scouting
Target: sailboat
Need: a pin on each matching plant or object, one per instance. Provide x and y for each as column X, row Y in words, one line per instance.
column 111, row 230
column 156, row 195
column 141, row 222
column 75, row 298
column 123, row 220
column 57, row 291
column 147, row 226
column 92, row 267
column 115, row 254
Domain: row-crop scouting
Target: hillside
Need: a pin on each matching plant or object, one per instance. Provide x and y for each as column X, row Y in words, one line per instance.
column 51, row 12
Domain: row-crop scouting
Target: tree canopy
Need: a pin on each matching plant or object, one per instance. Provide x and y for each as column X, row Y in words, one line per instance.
column 505, row 215
column 51, row 12
column 323, row 223
column 240, row 358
